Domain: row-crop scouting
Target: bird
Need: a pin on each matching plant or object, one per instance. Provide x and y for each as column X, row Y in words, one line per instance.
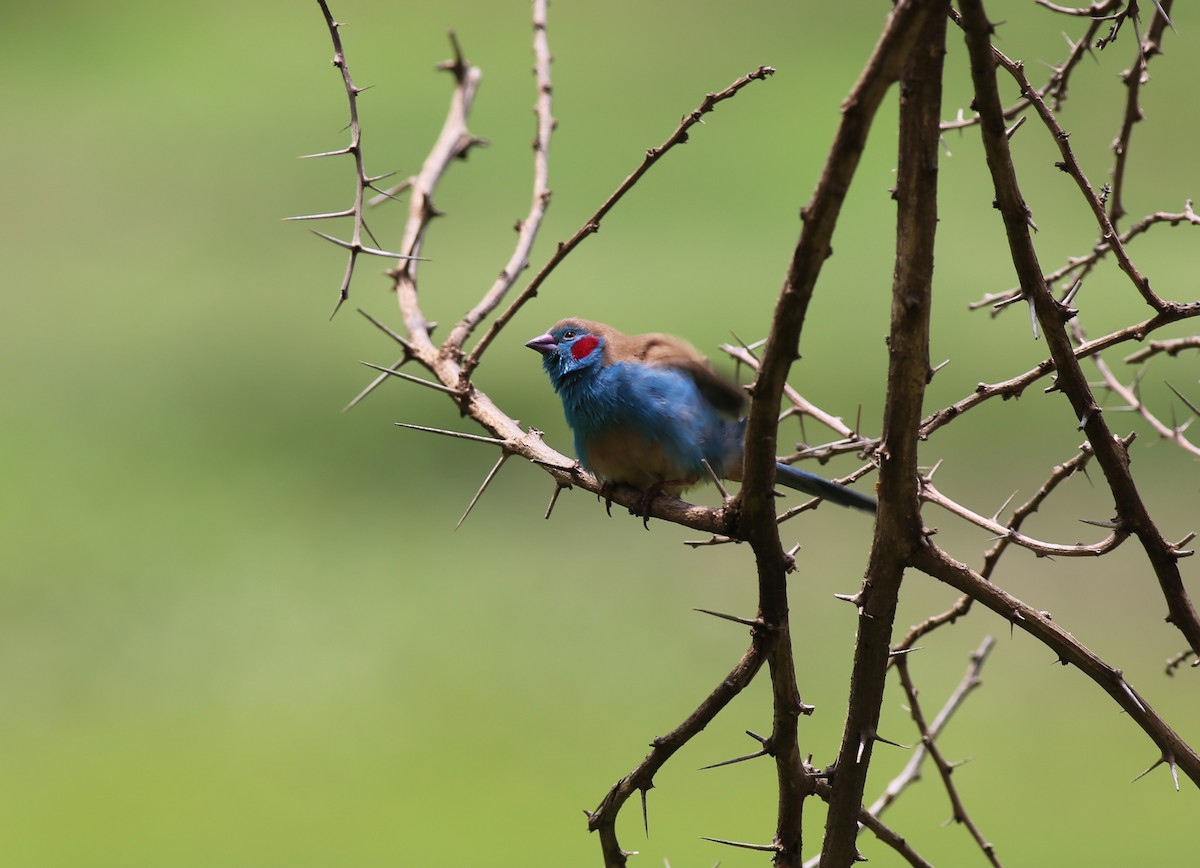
column 649, row 410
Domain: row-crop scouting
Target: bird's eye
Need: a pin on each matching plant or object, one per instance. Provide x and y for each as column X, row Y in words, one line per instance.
column 568, row 334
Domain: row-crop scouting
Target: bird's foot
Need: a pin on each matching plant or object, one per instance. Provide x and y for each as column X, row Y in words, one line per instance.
column 606, row 491
column 668, row 485
column 648, row 498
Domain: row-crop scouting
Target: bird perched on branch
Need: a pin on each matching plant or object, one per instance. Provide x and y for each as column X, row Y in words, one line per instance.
column 648, row 411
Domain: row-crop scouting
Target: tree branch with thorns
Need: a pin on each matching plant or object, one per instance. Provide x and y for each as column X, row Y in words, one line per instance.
column 909, row 58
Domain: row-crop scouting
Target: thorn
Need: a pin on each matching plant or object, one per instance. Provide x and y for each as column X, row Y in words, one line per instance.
column 1008, row 133
column 1158, row 5
column 764, row 848
column 349, row 212
column 740, row 759
column 1003, row 506
column 558, row 489
column 714, row 540
column 1179, row 395
column 390, row 192
column 371, row 234
column 342, row 296
column 901, row 651
column 337, row 153
column 1070, row 296
column 458, row 434
column 645, row 813
column 749, row 348
column 716, row 479
column 398, row 338
column 1129, row 691
column 1111, row 524
column 734, row 618
column 482, row 488
column 878, row 737
column 369, row 388
column 370, row 182
column 1162, row 760
column 418, row 380
column 360, row 247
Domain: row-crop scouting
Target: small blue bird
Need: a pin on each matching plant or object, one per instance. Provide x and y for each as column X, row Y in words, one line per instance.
column 648, row 410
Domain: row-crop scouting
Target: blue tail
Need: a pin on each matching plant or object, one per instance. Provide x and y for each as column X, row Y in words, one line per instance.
column 810, row 483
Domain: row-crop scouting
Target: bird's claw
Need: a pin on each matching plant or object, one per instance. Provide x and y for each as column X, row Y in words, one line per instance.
column 606, row 490
column 647, row 499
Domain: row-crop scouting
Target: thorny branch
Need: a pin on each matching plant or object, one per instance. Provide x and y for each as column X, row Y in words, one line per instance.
column 910, row 50
column 592, row 225
column 1174, row 751
column 898, row 529
column 363, row 181
column 929, row 746
column 1134, row 78
column 1132, row 514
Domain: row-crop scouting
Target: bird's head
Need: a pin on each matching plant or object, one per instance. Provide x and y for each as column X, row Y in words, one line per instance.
column 570, row 346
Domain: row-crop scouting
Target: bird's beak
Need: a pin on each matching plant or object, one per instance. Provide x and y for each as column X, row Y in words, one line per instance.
column 542, row 343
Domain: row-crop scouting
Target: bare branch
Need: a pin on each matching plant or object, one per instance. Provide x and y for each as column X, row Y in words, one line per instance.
column 1171, row 347
column 527, row 229
column 799, row 402
column 1070, row 165
column 929, row 733
column 1171, row 433
column 592, row 224
column 898, row 528
column 1078, row 267
column 942, row 567
column 603, row 819
column 1038, row 547
column 362, row 180
column 1056, row 88
column 1112, row 458
column 1134, row 78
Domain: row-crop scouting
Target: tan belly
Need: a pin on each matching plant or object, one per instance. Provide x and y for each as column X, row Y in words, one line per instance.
column 632, row 460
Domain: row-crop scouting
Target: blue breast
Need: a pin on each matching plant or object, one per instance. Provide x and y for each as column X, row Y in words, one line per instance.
column 642, row 424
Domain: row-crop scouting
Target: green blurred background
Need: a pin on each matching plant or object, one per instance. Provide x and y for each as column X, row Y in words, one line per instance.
column 237, row 625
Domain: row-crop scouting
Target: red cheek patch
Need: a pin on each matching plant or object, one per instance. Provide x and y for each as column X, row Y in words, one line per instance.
column 582, row 347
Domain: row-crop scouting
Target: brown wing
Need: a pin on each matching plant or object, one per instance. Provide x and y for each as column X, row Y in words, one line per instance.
column 658, row 349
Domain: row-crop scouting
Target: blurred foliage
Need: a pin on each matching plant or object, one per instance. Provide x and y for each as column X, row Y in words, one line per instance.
column 237, row 626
